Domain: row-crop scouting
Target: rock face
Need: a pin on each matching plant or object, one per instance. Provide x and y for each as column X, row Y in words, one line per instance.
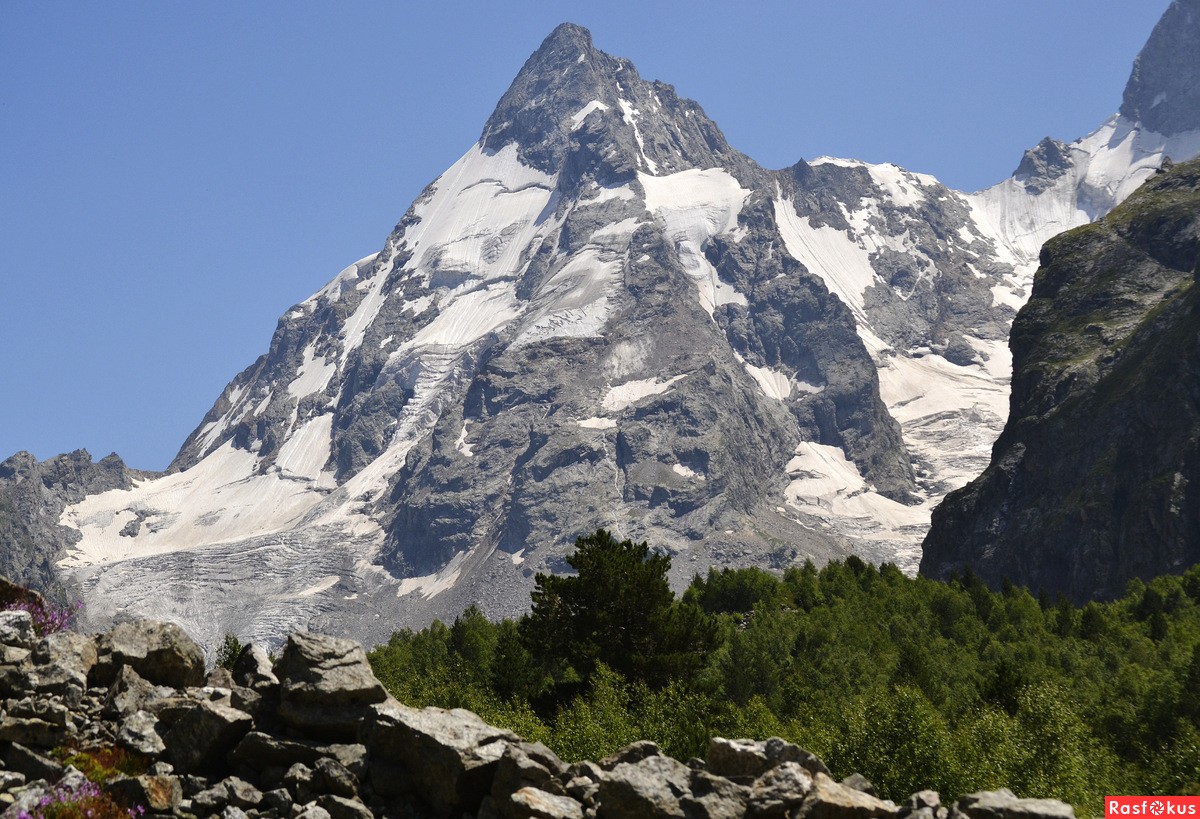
column 603, row 315
column 1162, row 92
column 220, row 749
column 32, row 498
column 1096, row 478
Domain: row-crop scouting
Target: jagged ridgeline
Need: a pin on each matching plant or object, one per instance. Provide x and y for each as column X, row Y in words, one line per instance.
column 1096, row 478
column 605, row 315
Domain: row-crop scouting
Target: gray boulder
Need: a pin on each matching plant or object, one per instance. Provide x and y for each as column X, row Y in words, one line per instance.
column 750, row 759
column 833, row 800
column 340, row 807
column 139, row 733
column 443, row 759
column 1004, row 804
column 68, row 652
column 654, row 786
column 252, row 669
column 199, row 738
column 778, row 791
column 162, row 653
column 532, row 803
column 16, row 629
column 129, row 693
column 326, row 685
column 157, row 793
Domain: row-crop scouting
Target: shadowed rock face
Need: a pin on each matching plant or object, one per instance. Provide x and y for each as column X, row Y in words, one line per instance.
column 1096, row 478
column 1162, row 92
column 32, row 497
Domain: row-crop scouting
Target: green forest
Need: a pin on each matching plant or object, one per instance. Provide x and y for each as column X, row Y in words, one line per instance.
column 912, row 682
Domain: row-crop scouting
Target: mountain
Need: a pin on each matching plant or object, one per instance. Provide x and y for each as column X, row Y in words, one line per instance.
column 603, row 315
column 1096, row 478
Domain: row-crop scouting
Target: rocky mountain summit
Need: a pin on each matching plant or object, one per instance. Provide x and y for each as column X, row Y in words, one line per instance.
column 603, row 315
column 315, row 735
column 1096, row 478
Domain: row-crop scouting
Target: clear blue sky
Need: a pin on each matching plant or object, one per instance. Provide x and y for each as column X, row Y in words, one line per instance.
column 173, row 176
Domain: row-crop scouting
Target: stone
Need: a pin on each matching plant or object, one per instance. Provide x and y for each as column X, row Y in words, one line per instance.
column 158, row 794
column 301, row 783
column 234, row 812
column 326, row 685
column 833, row 800
column 129, row 693
column 525, row 764
column 778, row 791
column 68, row 651
column 312, row 811
column 1004, row 804
column 924, row 799
column 340, row 807
column 31, row 731
column 162, row 653
column 531, row 803
column 139, row 733
column 713, row 797
column 652, row 787
column 241, row 793
column 252, row 669
column 332, row 777
column 859, row 783
column 749, row 759
column 278, row 800
column 443, row 759
column 219, row 677
column 12, row 655
column 630, row 754
column 199, row 739
column 10, row 780
column 16, row 629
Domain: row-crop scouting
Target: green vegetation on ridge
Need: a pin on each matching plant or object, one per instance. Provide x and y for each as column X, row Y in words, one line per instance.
column 914, row 683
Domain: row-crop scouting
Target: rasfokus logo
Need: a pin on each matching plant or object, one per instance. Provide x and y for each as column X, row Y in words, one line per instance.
column 1152, row 806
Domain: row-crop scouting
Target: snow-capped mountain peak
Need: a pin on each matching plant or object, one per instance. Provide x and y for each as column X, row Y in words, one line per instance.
column 603, row 315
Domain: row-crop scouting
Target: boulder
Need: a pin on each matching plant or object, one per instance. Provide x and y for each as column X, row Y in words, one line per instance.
column 16, row 629
column 714, row 797
column 833, row 800
column 252, row 669
column 340, row 807
column 162, row 653
column 749, row 759
column 200, row 738
column 1004, row 804
column 69, row 651
column 332, row 777
column 778, row 791
column 630, row 754
column 158, row 794
column 129, row 693
column 326, row 686
column 443, row 759
column 526, row 764
column 532, row 803
column 652, row 787
column 139, row 733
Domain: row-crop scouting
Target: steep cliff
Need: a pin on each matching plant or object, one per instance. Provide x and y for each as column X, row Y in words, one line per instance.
column 1096, row 477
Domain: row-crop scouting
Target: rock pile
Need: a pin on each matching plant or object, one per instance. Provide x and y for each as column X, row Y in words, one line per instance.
column 315, row 735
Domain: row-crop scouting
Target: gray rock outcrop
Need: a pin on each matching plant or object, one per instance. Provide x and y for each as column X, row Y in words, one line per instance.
column 1096, row 478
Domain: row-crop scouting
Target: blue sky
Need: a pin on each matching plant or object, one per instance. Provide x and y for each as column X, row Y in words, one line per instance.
column 173, row 176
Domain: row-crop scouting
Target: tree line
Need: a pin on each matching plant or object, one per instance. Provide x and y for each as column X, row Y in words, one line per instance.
column 913, row 682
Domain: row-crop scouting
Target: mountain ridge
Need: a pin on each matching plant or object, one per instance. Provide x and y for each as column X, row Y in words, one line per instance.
column 601, row 315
